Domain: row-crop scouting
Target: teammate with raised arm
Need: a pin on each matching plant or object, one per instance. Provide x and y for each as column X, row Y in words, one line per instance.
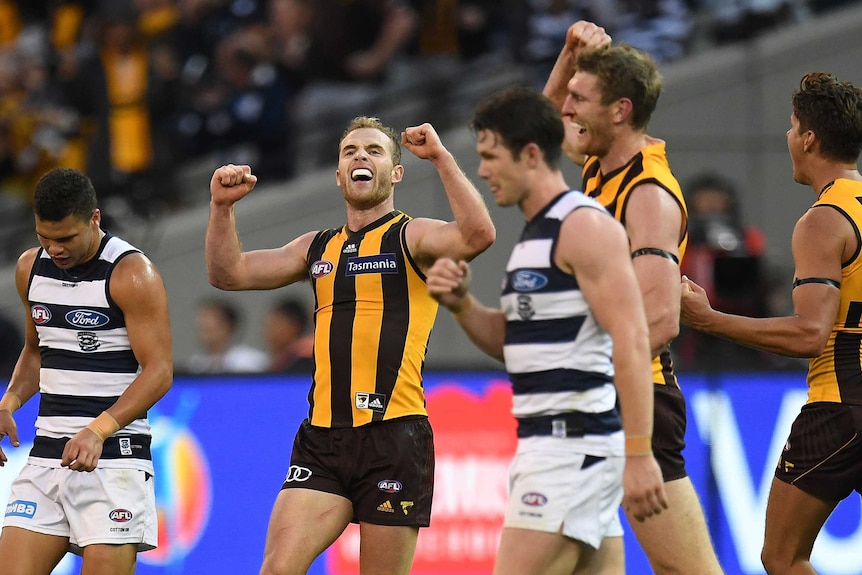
column 367, row 422
column 607, row 95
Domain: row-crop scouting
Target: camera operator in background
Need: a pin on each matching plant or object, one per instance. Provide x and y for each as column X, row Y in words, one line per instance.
column 725, row 256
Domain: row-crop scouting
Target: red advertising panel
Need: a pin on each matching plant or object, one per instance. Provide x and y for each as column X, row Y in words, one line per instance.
column 474, row 440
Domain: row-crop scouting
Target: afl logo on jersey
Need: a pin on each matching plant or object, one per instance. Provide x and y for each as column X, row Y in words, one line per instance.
column 321, row 268
column 526, row 280
column 86, row 318
column 41, row 314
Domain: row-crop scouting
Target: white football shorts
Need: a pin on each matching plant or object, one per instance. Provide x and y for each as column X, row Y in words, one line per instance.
column 557, row 489
column 112, row 506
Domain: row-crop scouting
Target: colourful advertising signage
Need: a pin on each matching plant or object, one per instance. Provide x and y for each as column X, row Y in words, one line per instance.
column 221, row 449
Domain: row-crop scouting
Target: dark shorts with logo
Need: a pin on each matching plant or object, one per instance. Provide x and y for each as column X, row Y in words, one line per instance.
column 823, row 454
column 668, row 436
column 386, row 469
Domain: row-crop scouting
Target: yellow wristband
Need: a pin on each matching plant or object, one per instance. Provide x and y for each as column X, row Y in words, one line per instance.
column 104, row 426
column 10, row 402
column 638, row 445
column 466, row 303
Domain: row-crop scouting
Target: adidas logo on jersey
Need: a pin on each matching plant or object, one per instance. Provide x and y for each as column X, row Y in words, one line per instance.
column 349, row 249
column 373, row 401
column 386, row 507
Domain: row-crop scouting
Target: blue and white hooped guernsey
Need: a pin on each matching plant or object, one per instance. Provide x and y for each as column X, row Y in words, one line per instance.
column 558, row 357
column 87, row 360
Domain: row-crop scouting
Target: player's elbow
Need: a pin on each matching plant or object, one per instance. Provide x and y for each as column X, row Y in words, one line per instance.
column 811, row 341
column 481, row 238
column 219, row 278
column 662, row 332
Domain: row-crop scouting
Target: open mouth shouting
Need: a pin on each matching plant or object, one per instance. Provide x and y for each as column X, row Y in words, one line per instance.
column 580, row 129
column 361, row 175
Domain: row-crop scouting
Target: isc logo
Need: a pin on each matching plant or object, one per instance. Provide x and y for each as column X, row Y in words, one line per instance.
column 120, row 515
column 321, row 268
column 40, row 313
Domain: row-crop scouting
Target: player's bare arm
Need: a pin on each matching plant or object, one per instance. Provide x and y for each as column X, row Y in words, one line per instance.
column 820, row 244
column 228, row 267
column 138, row 290
column 610, row 287
column 449, row 283
column 472, row 230
column 654, row 221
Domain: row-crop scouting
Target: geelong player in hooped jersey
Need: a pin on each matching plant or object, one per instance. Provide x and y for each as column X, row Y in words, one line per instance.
column 821, row 463
column 98, row 351
column 573, row 335
column 367, row 426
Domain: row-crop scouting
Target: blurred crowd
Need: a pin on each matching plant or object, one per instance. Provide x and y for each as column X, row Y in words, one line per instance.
column 134, row 92
column 131, row 91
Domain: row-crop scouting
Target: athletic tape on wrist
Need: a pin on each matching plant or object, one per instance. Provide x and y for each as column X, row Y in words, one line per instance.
column 104, row 426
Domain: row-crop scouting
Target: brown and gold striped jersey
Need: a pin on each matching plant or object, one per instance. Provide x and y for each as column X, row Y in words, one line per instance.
column 373, row 317
column 612, row 190
column 836, row 375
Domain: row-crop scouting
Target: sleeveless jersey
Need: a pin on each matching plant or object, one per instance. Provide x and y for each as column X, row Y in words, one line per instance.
column 836, row 375
column 373, row 317
column 558, row 357
column 613, row 190
column 87, row 360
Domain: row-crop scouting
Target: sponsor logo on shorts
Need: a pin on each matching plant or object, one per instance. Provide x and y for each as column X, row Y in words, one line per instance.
column 120, row 515
column 379, row 264
column 406, row 506
column 389, row 485
column 533, row 499
column 372, row 401
column 86, row 318
column 528, row 280
column 386, row 507
column 40, row 314
column 297, row 473
column 321, row 268
column 19, row 508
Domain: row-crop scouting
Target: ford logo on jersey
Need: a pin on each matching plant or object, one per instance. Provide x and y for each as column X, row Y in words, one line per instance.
column 86, row 318
column 526, row 280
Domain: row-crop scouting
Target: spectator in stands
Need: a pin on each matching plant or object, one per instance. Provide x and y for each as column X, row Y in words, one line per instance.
column 740, row 20
column 658, row 27
column 351, row 46
column 288, row 338
column 218, row 324
column 121, row 93
column 725, row 256
column 460, row 28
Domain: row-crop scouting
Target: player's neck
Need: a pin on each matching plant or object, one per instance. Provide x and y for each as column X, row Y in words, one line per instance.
column 624, row 147
column 358, row 218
